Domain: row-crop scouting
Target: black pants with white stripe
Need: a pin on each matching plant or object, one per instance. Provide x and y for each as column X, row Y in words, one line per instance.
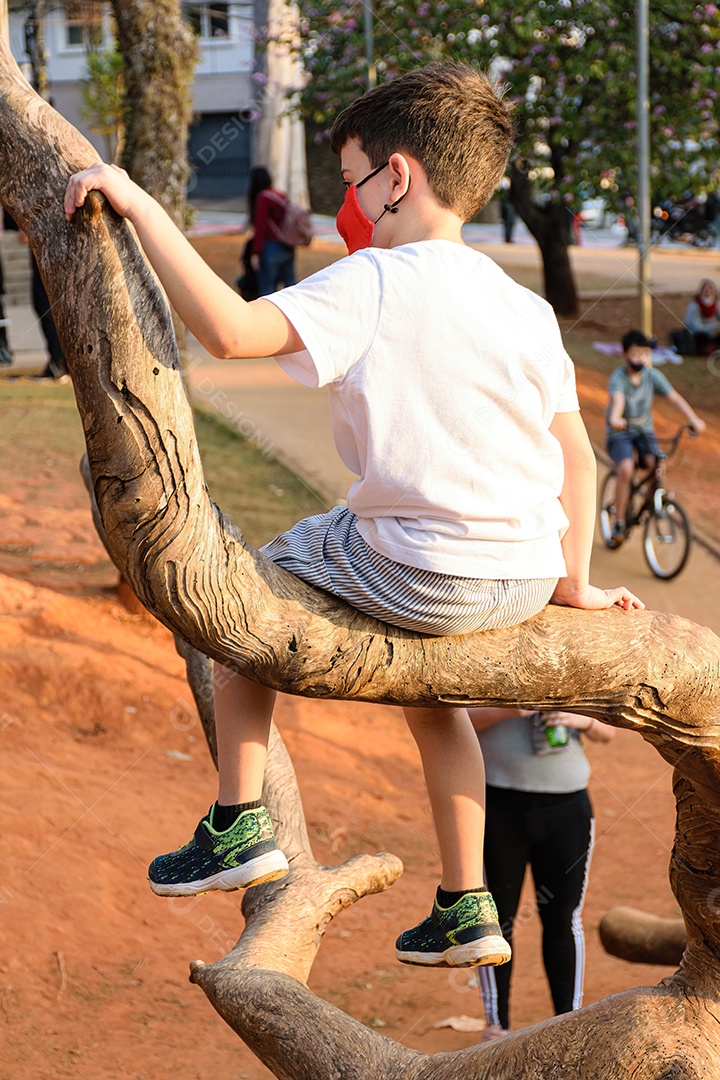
column 554, row 834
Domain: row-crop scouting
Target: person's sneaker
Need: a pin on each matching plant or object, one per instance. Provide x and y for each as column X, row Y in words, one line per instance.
column 245, row 854
column 5, row 356
column 464, row 935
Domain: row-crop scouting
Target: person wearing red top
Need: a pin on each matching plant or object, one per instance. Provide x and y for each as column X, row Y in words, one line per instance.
column 702, row 318
column 273, row 261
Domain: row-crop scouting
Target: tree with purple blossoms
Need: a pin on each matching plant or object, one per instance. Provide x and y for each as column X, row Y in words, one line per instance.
column 569, row 68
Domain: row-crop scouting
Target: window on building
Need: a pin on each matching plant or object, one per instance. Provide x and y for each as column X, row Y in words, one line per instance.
column 83, row 24
column 75, row 34
column 219, row 25
column 208, row 20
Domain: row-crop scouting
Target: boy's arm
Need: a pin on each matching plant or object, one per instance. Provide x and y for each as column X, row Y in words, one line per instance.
column 686, row 409
column 577, row 498
column 616, row 418
column 220, row 319
column 593, row 729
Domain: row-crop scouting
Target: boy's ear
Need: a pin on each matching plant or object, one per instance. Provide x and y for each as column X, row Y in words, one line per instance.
column 401, row 169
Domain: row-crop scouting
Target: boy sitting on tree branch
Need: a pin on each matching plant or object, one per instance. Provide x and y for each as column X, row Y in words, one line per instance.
column 453, row 401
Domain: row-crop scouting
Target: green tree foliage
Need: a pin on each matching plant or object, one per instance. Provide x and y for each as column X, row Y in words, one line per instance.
column 102, row 98
column 569, row 67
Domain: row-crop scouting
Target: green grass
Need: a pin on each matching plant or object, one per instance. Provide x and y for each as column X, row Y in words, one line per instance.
column 39, row 422
column 252, row 489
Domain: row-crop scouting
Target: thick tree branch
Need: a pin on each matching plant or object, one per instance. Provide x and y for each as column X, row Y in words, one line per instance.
column 654, row 673
column 641, row 938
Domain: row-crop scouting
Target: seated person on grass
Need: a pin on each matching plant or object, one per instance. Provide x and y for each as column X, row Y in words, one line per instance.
column 630, row 428
column 702, row 318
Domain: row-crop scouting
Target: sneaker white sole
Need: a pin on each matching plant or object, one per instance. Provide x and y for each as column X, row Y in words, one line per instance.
column 268, row 867
column 488, row 950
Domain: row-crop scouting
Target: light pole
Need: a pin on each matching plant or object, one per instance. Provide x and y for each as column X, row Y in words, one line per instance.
column 643, row 168
column 369, row 44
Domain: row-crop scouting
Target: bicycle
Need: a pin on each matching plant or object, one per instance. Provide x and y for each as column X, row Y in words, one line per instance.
column 667, row 536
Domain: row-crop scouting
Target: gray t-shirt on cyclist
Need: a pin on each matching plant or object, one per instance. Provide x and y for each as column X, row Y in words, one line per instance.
column 638, row 399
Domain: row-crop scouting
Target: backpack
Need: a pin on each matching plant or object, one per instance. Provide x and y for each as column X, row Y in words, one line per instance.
column 295, row 228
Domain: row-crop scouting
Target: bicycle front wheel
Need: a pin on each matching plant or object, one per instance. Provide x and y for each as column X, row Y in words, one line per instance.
column 607, row 510
column 667, row 540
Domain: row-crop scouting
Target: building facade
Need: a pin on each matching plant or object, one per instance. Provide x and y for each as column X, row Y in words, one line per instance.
column 224, row 92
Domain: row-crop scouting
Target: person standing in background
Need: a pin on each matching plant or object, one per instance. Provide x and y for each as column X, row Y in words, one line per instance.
column 272, row 261
column 538, row 814
column 5, row 354
column 56, row 367
column 508, row 217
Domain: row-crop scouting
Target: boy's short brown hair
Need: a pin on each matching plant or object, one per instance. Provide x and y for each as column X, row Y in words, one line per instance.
column 450, row 117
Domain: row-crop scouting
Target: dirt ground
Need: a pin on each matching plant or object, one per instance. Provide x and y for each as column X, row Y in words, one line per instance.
column 104, row 767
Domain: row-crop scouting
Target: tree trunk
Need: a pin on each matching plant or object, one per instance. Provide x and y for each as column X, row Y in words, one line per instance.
column 652, row 672
column 198, row 668
column 159, row 54
column 35, row 27
column 549, row 225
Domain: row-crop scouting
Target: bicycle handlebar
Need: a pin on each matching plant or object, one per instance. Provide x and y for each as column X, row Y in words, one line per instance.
column 674, row 440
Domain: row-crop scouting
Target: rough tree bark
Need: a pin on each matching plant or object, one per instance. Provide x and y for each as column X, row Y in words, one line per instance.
column 548, row 224
column 642, row 938
column 159, row 54
column 198, row 668
column 654, row 673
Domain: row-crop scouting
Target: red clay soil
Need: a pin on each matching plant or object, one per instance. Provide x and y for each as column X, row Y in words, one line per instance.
column 104, row 766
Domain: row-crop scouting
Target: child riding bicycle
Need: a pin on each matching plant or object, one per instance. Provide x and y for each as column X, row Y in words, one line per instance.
column 630, row 428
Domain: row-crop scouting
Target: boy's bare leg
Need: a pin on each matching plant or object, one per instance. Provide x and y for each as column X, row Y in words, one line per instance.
column 234, row 846
column 462, row 929
column 455, row 777
column 624, row 471
column 243, row 712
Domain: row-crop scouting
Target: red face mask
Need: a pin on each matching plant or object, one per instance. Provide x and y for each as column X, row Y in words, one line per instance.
column 353, row 224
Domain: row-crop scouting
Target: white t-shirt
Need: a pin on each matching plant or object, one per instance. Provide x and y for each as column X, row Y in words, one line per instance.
column 444, row 375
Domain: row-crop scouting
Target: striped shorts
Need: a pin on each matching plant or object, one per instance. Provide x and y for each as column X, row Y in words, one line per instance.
column 328, row 552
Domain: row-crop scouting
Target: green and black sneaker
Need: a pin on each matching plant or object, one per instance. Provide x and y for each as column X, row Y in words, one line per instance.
column 464, row 935
column 243, row 855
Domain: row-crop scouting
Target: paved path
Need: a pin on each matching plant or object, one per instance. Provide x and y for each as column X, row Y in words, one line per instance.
column 291, row 422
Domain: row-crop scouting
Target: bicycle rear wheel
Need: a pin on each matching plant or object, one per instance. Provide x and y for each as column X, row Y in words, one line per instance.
column 667, row 540
column 607, row 510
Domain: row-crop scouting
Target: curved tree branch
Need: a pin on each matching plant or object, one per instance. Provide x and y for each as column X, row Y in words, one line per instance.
column 654, row 673
column 641, row 938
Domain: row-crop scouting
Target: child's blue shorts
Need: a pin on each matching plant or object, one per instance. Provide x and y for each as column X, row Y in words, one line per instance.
column 622, row 445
